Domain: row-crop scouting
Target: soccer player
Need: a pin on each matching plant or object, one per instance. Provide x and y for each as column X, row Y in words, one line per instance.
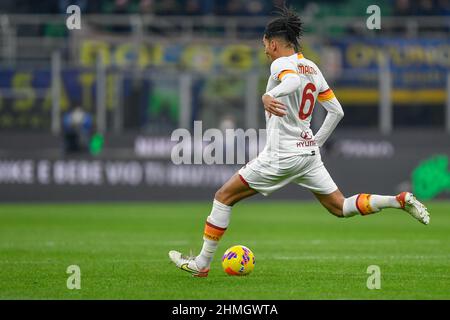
column 291, row 154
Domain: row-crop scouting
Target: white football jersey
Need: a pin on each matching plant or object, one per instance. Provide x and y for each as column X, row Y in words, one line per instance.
column 291, row 134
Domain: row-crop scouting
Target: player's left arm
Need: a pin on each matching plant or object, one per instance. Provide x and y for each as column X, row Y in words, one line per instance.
column 335, row 113
column 285, row 72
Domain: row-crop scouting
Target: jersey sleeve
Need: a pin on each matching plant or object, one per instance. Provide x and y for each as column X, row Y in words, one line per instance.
column 325, row 92
column 281, row 67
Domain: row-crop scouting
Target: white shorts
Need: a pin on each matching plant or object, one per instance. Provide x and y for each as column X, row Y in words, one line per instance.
column 266, row 175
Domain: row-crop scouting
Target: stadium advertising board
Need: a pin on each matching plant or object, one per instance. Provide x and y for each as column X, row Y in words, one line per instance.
column 390, row 164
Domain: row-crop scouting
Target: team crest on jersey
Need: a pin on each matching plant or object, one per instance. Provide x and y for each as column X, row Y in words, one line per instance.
column 306, row 135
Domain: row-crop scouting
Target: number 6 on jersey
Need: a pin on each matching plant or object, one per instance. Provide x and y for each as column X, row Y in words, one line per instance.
column 307, row 95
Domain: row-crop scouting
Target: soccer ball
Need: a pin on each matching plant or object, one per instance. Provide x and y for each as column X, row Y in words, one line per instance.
column 238, row 261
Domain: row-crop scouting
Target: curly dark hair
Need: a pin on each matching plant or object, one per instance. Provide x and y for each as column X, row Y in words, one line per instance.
column 287, row 26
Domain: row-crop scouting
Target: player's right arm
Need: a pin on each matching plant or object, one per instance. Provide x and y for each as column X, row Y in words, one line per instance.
column 285, row 72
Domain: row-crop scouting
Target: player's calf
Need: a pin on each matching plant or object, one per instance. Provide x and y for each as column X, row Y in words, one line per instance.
column 333, row 202
column 233, row 191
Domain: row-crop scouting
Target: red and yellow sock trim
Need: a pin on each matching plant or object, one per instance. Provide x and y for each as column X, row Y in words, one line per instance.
column 401, row 199
column 213, row 232
column 363, row 204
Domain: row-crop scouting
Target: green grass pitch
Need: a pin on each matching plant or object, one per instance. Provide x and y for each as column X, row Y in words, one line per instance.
column 302, row 252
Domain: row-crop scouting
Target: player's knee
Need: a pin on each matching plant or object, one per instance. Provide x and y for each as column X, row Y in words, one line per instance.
column 219, row 195
column 338, row 212
column 332, row 208
column 335, row 208
column 223, row 196
column 338, row 205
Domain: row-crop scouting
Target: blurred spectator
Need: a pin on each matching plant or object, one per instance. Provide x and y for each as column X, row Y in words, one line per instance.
column 44, row 6
column 169, row 7
column 403, row 8
column 208, row 6
column 193, row 7
column 120, row 7
column 231, row 8
column 256, row 7
column 443, row 7
column 147, row 6
column 64, row 4
column 426, row 8
column 77, row 130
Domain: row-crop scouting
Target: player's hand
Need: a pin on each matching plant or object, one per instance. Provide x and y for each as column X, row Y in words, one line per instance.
column 273, row 106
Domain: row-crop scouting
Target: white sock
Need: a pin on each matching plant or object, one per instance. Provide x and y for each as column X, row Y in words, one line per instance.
column 349, row 209
column 215, row 226
column 380, row 202
column 367, row 204
column 220, row 214
column 209, row 248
